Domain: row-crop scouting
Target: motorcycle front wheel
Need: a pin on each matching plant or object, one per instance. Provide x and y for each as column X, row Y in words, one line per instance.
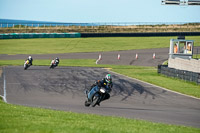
column 87, row 104
column 95, row 99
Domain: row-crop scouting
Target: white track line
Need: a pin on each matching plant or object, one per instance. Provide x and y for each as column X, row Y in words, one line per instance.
column 155, row 85
column 4, row 87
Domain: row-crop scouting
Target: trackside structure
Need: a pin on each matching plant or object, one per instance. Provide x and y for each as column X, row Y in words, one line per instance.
column 180, row 62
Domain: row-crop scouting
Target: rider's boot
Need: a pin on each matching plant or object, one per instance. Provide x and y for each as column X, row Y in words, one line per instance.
column 98, row 104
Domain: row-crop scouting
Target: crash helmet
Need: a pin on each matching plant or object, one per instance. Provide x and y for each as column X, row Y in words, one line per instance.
column 57, row 58
column 29, row 57
column 108, row 78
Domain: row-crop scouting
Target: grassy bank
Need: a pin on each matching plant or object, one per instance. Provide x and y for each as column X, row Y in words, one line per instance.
column 21, row 119
column 148, row 74
column 70, row 45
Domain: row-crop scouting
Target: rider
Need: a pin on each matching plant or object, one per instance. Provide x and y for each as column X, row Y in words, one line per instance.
column 30, row 59
column 56, row 61
column 106, row 83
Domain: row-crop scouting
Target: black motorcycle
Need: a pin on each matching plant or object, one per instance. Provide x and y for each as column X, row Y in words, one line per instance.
column 27, row 64
column 54, row 63
column 96, row 95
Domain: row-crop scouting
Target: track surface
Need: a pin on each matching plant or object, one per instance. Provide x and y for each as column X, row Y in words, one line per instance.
column 145, row 57
column 63, row 89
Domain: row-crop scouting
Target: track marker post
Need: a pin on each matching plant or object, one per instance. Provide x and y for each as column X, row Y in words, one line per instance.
column 118, row 56
column 136, row 56
column 100, row 58
column 154, row 55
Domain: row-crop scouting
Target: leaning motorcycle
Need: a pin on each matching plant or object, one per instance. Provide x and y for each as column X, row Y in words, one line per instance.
column 26, row 64
column 96, row 95
column 53, row 64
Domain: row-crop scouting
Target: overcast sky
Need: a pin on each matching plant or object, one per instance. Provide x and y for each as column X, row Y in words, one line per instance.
column 81, row 11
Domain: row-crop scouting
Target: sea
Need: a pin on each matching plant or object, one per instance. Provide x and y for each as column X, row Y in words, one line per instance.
column 13, row 22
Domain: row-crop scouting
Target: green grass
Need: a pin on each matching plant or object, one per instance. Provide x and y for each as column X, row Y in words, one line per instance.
column 196, row 56
column 20, row 119
column 15, row 118
column 148, row 74
column 70, row 45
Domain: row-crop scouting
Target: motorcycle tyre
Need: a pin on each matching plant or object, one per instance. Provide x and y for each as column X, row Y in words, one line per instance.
column 87, row 104
column 95, row 100
column 25, row 68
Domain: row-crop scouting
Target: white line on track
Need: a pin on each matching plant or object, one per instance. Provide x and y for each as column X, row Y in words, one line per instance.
column 154, row 85
column 4, row 87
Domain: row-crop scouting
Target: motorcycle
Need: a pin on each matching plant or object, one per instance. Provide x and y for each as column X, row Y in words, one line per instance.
column 96, row 95
column 54, row 63
column 26, row 64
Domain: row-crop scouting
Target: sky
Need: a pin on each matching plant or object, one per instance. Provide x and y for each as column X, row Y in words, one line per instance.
column 90, row 11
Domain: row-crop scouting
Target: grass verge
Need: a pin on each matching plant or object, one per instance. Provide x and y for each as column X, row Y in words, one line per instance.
column 148, row 74
column 14, row 118
column 72, row 45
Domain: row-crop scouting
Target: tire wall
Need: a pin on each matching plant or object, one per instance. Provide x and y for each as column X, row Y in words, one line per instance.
column 181, row 74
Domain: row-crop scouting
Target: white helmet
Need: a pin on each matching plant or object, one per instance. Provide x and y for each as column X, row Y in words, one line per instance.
column 29, row 57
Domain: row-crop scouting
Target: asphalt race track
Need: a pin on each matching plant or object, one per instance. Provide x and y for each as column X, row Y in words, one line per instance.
column 128, row 57
column 63, row 88
column 145, row 57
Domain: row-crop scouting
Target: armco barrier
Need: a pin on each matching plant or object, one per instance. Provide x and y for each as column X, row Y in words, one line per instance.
column 39, row 35
column 181, row 74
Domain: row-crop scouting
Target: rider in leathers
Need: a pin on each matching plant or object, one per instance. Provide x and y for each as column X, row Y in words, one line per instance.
column 106, row 83
column 56, row 61
column 30, row 59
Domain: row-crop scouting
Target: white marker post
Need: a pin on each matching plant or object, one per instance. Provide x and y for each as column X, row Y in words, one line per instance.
column 118, row 56
column 154, row 55
column 100, row 58
column 136, row 56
